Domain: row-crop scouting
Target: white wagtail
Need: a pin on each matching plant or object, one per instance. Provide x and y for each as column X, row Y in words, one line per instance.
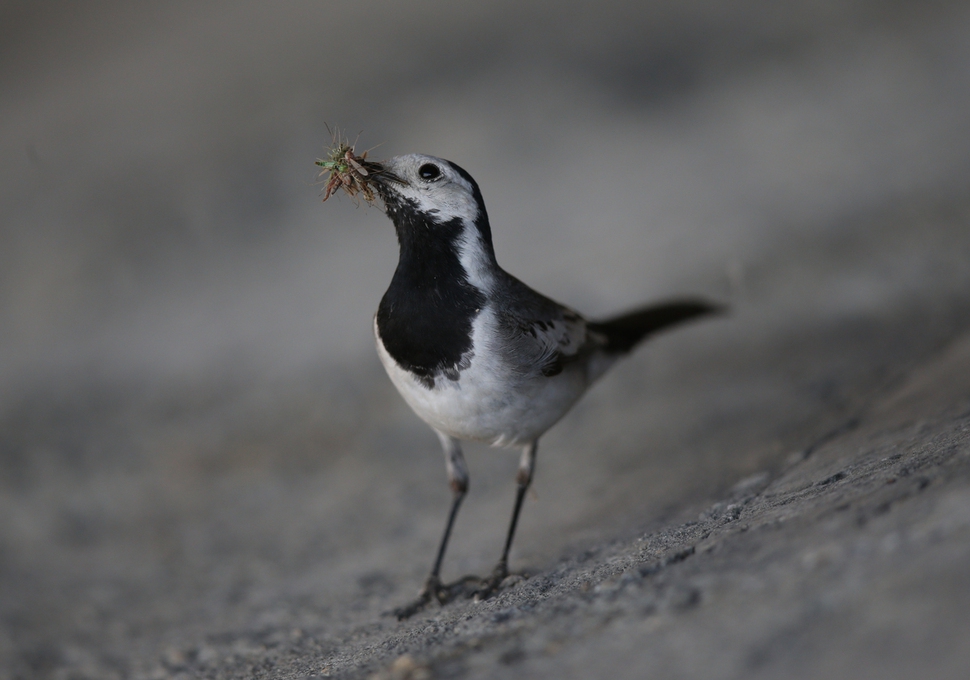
column 474, row 351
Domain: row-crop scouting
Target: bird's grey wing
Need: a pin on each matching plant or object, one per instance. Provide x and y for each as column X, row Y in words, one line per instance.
column 541, row 335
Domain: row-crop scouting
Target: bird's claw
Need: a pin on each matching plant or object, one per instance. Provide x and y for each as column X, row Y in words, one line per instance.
column 469, row 587
column 434, row 589
column 412, row 608
column 431, row 589
column 491, row 585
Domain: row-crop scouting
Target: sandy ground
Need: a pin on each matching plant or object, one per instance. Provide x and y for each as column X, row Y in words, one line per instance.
column 204, row 472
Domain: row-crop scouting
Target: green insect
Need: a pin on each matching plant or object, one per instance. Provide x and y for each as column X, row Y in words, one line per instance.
column 346, row 171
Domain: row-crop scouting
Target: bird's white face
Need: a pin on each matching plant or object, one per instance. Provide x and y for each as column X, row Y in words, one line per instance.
column 435, row 186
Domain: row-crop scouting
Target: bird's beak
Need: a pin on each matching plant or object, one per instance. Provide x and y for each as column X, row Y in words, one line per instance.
column 381, row 173
column 383, row 179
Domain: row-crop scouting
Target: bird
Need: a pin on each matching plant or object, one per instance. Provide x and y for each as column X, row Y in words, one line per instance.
column 477, row 354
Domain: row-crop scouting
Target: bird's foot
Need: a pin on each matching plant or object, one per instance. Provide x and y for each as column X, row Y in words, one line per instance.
column 469, row 587
column 499, row 578
column 412, row 608
column 428, row 592
column 444, row 593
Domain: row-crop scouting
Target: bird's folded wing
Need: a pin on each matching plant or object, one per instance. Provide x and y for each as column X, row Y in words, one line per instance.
column 541, row 335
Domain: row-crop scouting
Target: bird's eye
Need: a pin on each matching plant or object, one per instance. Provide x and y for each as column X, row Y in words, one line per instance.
column 429, row 171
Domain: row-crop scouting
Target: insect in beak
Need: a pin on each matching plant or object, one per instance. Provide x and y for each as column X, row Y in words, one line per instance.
column 345, row 170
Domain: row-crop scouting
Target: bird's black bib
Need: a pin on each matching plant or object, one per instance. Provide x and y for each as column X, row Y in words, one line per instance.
column 425, row 317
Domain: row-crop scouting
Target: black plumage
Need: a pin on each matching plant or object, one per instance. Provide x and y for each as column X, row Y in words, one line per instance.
column 425, row 317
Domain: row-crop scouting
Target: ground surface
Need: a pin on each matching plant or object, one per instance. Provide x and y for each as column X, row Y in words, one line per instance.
column 204, row 472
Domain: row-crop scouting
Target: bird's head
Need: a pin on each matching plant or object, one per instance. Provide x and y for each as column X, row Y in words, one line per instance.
column 432, row 188
column 434, row 201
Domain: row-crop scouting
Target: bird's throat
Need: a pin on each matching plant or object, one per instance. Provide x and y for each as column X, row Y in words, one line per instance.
column 425, row 317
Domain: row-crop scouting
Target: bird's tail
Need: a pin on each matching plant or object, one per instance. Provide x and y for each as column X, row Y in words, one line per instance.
column 625, row 331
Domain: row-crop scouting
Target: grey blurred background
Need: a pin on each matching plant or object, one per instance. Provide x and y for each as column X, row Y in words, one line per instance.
column 193, row 423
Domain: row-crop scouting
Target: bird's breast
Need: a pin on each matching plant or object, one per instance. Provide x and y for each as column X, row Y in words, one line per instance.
column 425, row 318
column 486, row 399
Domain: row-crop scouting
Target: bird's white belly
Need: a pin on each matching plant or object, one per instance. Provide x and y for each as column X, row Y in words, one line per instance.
column 489, row 402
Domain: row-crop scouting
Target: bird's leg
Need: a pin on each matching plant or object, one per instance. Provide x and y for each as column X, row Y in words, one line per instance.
column 458, row 480
column 523, row 479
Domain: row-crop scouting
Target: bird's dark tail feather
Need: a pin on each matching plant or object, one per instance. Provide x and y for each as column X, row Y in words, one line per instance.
column 625, row 331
